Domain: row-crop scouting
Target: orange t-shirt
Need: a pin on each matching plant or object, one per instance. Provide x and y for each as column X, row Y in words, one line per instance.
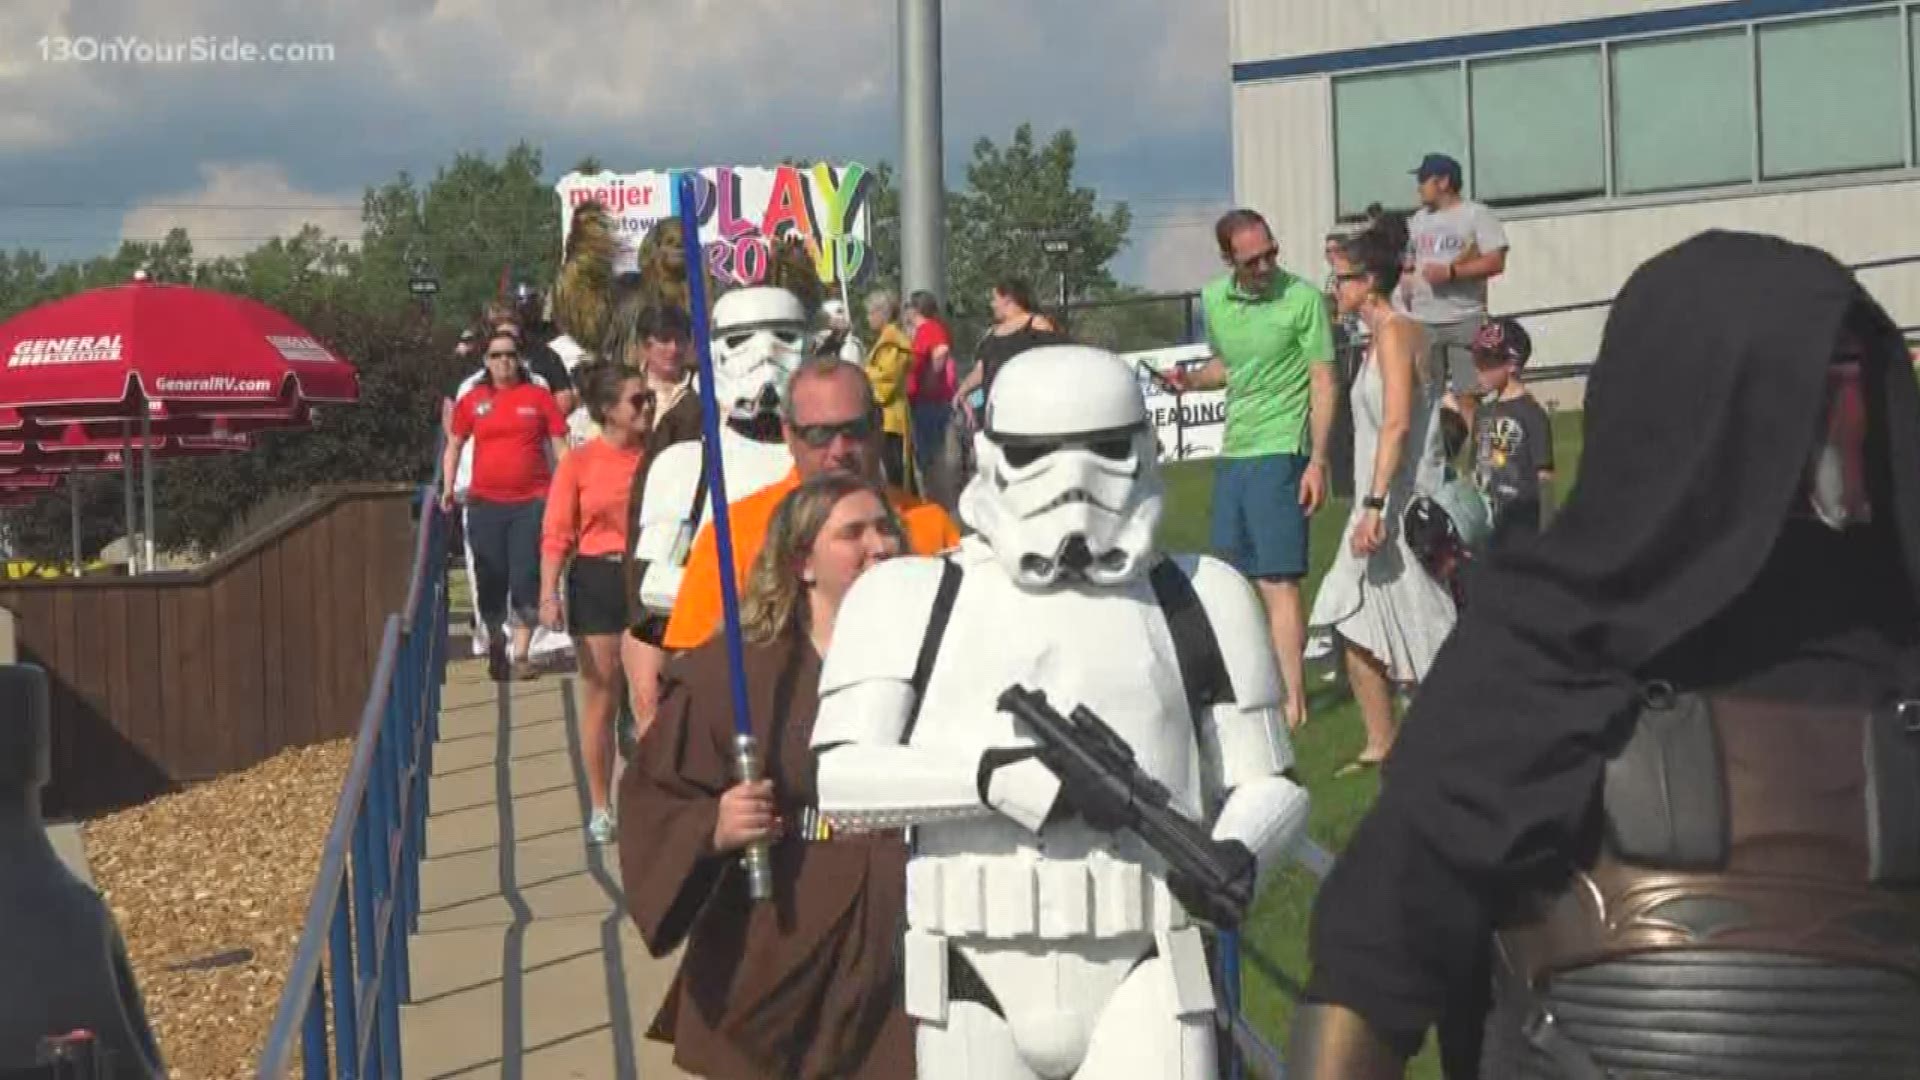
column 697, row 609
column 587, row 504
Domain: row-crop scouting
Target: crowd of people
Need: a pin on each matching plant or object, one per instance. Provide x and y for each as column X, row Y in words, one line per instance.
column 1452, row 457
column 1446, row 545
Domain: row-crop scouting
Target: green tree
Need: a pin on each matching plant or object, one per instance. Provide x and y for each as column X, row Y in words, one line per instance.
column 883, row 229
column 475, row 222
column 1017, row 198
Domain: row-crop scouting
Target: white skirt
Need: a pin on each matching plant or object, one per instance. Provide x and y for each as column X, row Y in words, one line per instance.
column 1386, row 604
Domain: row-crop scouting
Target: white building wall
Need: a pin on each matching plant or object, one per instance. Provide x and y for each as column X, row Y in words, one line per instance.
column 1283, row 154
column 1283, row 164
column 1283, row 167
column 1275, row 29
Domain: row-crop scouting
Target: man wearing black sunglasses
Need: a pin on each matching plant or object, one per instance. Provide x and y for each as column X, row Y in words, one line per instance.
column 1272, row 345
column 831, row 425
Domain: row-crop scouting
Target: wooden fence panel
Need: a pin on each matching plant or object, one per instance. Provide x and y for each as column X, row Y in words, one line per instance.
column 164, row 679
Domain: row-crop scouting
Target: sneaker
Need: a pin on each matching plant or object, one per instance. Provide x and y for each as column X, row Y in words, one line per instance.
column 600, row 827
column 1319, row 646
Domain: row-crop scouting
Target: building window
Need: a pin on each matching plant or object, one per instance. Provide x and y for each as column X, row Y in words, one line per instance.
column 1537, row 134
column 1386, row 123
column 1682, row 112
column 1772, row 100
column 1825, row 90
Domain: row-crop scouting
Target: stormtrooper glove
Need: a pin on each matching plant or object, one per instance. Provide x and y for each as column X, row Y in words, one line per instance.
column 1012, row 780
column 1223, row 904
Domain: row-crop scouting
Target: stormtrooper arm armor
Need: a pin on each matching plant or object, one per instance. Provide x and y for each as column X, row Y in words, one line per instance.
column 665, row 536
column 1245, row 750
column 872, row 781
column 870, row 775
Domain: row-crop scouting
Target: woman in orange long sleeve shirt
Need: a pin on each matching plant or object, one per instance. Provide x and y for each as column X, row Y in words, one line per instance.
column 587, row 519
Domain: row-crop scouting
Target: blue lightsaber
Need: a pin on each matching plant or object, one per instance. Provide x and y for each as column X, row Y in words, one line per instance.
column 746, row 750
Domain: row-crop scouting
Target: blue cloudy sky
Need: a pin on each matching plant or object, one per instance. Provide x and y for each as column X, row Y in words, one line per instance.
column 91, row 152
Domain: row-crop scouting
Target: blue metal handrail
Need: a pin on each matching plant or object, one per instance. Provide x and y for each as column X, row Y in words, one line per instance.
column 362, row 920
column 1258, row 1058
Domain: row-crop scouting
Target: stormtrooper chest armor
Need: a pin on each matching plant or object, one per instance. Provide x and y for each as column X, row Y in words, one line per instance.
column 1107, row 649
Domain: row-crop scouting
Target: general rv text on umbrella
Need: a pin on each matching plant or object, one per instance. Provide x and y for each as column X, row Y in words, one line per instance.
column 37, row 352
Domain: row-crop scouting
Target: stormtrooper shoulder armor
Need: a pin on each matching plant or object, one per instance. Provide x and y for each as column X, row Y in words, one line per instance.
column 883, row 623
column 1239, row 624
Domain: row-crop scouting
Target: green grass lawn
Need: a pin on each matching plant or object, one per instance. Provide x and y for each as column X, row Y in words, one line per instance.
column 1277, row 929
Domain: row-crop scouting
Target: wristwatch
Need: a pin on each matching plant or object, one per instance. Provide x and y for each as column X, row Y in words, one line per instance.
column 1374, row 502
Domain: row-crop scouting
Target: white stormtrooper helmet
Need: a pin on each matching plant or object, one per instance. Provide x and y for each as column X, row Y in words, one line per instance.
column 1068, row 483
column 759, row 337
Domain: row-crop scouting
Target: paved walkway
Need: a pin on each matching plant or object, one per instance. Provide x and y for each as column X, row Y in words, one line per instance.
column 525, row 965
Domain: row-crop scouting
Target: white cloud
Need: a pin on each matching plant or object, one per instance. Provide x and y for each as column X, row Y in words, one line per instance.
column 41, row 86
column 1176, row 255
column 636, row 83
column 239, row 207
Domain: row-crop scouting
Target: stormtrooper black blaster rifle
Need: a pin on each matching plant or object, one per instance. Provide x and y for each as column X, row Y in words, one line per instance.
column 1100, row 779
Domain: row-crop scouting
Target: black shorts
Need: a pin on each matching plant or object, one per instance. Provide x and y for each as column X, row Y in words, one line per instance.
column 596, row 597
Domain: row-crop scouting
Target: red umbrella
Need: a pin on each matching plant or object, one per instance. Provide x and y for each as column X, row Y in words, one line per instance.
column 26, row 480
column 116, row 351
column 179, row 360
column 39, row 467
column 18, row 425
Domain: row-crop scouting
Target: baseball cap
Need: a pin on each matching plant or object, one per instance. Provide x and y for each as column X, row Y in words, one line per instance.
column 1438, row 165
column 1503, row 339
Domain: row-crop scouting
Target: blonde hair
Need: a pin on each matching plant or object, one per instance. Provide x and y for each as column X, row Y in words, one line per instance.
column 775, row 596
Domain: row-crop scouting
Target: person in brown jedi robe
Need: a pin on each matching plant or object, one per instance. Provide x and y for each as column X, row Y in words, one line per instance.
column 804, row 986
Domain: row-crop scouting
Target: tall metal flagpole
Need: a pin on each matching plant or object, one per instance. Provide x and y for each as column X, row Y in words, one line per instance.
column 73, row 509
column 923, row 188
column 746, row 748
column 126, row 482
column 146, row 479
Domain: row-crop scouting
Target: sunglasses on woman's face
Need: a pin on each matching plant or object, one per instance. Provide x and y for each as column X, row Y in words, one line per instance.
column 503, row 356
column 858, row 429
column 641, row 400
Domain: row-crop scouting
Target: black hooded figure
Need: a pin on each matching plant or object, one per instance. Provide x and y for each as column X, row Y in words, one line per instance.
column 1661, row 791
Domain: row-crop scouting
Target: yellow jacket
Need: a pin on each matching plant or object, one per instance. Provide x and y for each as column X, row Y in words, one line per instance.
column 887, row 364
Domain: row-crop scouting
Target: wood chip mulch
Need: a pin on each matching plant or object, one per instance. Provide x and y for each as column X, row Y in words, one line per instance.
column 219, row 873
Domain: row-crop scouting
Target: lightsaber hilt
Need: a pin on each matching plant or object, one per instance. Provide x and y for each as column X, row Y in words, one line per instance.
column 759, row 867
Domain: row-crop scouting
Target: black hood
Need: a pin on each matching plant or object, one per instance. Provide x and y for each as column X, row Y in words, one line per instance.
column 1702, row 409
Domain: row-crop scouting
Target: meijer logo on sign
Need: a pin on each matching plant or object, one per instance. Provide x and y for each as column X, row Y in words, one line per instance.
column 38, row 352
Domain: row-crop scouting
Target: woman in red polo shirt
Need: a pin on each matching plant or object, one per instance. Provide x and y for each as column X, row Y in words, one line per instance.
column 517, row 433
column 930, row 386
column 587, row 522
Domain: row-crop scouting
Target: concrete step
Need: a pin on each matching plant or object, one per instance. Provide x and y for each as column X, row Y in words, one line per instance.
column 525, row 964
column 567, row 997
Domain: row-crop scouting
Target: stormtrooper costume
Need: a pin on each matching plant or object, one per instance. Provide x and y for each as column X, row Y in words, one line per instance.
column 759, row 338
column 580, row 425
column 1036, row 944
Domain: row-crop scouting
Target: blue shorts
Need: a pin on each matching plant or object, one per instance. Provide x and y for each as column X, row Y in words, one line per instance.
column 1258, row 524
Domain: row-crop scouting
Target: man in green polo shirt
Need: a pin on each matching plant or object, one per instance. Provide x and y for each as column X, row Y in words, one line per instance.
column 1273, row 352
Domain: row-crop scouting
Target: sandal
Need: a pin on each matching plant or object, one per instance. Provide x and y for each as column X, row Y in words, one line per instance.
column 1357, row 766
